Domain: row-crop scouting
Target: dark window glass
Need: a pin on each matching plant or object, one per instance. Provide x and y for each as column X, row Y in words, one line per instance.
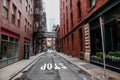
column 12, row 39
column 92, row 3
column 4, row 37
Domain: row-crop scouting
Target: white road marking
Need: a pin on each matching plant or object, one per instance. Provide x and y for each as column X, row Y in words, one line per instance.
column 43, row 67
column 49, row 66
column 62, row 66
column 56, row 66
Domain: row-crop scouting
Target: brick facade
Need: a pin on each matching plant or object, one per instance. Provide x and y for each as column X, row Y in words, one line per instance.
column 25, row 7
column 71, row 24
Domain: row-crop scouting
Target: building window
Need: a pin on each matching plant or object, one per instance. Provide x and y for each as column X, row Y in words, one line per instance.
column 71, row 20
column 64, row 28
column 66, row 12
column 30, row 11
column 9, row 47
column 13, row 19
column 72, row 38
column 13, row 14
column 26, row 5
column 67, row 25
column 81, row 40
column 70, row 3
column 92, row 3
column 25, row 25
column 114, row 35
column 6, row 3
column 5, row 13
column 28, row 27
column 13, row 9
column 19, row 17
column 79, row 9
column 5, row 6
column 4, row 37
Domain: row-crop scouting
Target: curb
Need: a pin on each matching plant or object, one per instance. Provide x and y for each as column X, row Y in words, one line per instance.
column 16, row 73
column 89, row 72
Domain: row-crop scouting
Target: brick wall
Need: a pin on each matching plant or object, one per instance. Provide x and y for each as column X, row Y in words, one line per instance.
column 6, row 23
column 67, row 29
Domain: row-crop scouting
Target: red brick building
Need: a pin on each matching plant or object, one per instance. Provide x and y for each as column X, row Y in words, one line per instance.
column 80, row 32
column 15, row 30
column 73, row 14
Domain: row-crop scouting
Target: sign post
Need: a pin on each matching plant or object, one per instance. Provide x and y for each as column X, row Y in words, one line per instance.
column 103, row 43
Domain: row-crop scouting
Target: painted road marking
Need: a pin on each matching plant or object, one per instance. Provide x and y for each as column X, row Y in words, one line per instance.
column 62, row 66
column 49, row 66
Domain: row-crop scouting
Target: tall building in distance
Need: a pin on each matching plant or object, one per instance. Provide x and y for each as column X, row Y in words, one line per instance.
column 51, row 23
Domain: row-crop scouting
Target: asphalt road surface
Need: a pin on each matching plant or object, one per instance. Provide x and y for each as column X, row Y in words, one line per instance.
column 53, row 67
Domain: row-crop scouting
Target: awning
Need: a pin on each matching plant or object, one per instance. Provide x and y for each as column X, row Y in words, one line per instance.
column 9, row 33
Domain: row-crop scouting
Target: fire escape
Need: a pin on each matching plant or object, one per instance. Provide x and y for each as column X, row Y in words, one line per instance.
column 39, row 42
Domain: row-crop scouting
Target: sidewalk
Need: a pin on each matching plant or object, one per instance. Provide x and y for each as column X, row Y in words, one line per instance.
column 91, row 68
column 12, row 70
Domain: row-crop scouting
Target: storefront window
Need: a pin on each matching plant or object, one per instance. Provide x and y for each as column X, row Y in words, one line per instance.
column 115, row 37
column 11, row 39
column 16, row 40
column 96, row 41
column 118, row 37
column 9, row 48
column 4, row 37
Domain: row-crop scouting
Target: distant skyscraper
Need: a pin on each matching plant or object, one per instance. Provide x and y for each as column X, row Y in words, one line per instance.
column 51, row 23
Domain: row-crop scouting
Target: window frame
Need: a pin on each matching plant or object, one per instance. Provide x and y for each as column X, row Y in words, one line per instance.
column 5, row 13
column 79, row 9
column 6, row 3
column 13, row 14
column 5, row 7
column 19, row 17
column 26, row 25
column 13, row 9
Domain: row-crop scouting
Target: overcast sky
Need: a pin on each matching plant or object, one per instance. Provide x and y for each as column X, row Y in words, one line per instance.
column 52, row 10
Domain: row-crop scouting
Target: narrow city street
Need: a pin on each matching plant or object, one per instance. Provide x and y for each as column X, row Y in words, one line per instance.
column 59, row 39
column 53, row 67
